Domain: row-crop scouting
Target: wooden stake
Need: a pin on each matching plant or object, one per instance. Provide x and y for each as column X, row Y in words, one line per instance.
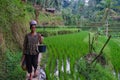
column 100, row 53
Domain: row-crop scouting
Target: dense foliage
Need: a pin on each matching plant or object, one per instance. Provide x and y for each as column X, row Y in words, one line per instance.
column 14, row 18
column 13, row 21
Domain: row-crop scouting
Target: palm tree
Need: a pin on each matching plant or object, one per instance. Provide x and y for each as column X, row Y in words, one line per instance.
column 107, row 8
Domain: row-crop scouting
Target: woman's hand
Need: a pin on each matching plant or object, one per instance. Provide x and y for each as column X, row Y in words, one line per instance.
column 22, row 59
column 40, row 38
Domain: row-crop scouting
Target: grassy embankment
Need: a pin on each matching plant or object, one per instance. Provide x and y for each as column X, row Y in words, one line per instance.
column 15, row 17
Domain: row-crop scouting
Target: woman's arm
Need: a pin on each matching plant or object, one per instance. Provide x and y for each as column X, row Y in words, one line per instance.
column 24, row 48
column 25, row 45
column 40, row 38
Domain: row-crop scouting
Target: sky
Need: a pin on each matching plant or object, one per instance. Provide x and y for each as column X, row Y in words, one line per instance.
column 86, row 2
column 77, row 0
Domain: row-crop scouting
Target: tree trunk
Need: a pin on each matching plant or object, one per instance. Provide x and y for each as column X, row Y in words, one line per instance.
column 107, row 28
column 46, row 3
column 105, row 18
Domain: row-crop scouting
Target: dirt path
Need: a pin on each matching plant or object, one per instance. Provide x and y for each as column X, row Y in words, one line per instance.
column 38, row 69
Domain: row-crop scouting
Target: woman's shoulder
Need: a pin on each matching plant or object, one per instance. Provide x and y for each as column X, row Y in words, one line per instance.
column 26, row 35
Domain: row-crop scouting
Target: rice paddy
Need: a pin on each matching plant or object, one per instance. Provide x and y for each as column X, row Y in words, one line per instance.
column 64, row 58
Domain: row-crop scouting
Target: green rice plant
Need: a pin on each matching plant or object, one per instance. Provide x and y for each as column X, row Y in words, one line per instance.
column 73, row 47
column 115, row 55
column 112, row 53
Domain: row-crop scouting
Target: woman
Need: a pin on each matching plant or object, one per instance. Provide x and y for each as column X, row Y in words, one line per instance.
column 30, row 52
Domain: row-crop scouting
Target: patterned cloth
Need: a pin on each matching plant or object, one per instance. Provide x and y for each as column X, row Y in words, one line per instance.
column 30, row 44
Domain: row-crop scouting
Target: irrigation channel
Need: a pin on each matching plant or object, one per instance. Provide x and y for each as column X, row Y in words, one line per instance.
column 62, row 68
column 116, row 74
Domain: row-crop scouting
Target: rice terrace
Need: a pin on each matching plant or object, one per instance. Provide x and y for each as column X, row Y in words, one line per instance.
column 67, row 51
column 60, row 40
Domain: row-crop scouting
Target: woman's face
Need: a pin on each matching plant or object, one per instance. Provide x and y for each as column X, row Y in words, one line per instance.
column 33, row 28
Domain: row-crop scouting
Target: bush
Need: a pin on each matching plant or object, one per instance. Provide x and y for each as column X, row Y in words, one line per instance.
column 59, row 32
column 91, row 72
column 12, row 66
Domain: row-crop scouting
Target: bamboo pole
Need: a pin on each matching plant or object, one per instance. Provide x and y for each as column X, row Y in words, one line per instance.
column 100, row 53
column 89, row 44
